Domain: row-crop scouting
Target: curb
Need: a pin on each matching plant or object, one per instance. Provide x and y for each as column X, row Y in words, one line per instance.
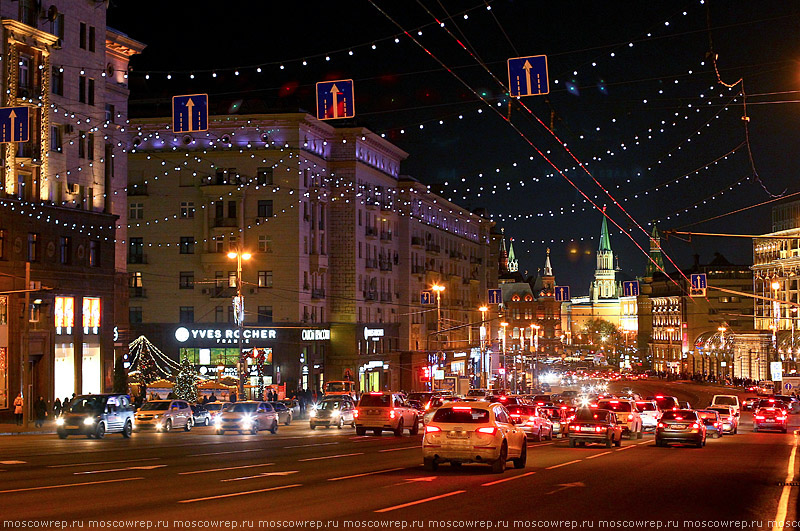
column 27, row 433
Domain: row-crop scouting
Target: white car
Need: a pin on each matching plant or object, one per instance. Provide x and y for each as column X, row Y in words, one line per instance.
column 648, row 410
column 475, row 432
column 164, row 415
column 245, row 416
column 726, row 400
column 627, row 414
column 380, row 411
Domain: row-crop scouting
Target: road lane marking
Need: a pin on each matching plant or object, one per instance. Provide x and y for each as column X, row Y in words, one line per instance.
column 645, row 442
column 563, row 464
column 264, row 475
column 241, row 493
column 506, row 479
column 231, row 452
column 330, row 457
column 598, row 455
column 397, row 449
column 143, row 467
column 221, row 469
column 625, row 448
column 366, row 474
column 12, row 462
column 105, row 462
column 310, row 445
column 543, row 444
column 69, row 485
column 783, row 502
column 410, row 504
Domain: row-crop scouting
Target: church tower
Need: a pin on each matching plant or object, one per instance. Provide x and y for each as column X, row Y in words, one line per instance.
column 656, row 262
column 604, row 285
column 513, row 263
column 548, row 278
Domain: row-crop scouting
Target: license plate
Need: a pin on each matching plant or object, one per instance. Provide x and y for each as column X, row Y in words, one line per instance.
column 374, row 412
column 770, row 420
column 458, row 434
column 678, row 426
column 587, row 428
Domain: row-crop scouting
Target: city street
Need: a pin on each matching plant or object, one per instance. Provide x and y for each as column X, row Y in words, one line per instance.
column 330, row 474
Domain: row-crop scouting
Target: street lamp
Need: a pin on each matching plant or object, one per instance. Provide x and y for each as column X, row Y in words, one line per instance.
column 722, row 343
column 670, row 331
column 438, row 289
column 484, row 335
column 535, row 333
column 505, row 368
column 238, row 307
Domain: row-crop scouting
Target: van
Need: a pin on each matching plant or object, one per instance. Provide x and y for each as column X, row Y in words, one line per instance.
column 726, row 400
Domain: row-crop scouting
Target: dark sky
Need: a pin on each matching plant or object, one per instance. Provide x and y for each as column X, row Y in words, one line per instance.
column 652, row 114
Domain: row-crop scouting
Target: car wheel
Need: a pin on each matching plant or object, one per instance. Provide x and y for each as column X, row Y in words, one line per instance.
column 785, row 430
column 522, row 459
column 398, row 432
column 640, row 433
column 539, row 435
column 189, row 424
column 168, row 426
column 618, row 442
column 340, row 425
column 631, row 434
column 499, row 466
column 755, row 429
column 127, row 430
column 550, row 435
column 288, row 420
column 220, row 432
column 101, row 430
column 609, row 442
column 415, row 427
column 312, row 426
column 274, row 429
column 659, row 442
column 254, row 429
column 736, row 430
column 206, row 422
column 360, row 430
column 572, row 443
column 62, row 434
column 699, row 444
column 430, row 464
column 377, row 431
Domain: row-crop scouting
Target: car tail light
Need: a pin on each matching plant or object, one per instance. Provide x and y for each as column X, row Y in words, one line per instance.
column 630, row 417
column 531, row 419
column 462, row 408
column 780, row 418
column 659, row 396
column 432, row 429
column 696, row 426
column 573, row 427
column 760, row 417
column 660, row 424
column 427, row 406
column 489, row 431
column 598, row 429
column 592, row 405
column 392, row 414
column 376, row 394
column 515, row 415
column 613, row 401
column 355, row 413
column 674, row 409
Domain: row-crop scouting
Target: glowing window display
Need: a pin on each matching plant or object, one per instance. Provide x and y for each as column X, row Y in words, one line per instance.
column 64, row 374
column 65, row 314
column 91, row 315
column 3, row 377
column 91, row 370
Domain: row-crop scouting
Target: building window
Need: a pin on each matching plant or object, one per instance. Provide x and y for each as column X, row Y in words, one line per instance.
column 264, row 176
column 187, row 209
column 33, row 247
column 82, row 89
column 232, row 209
column 136, row 211
column 219, row 209
column 136, row 280
column 110, row 113
column 187, row 314
column 2, row 244
column 90, row 146
column 231, row 279
column 91, row 38
column 187, row 245
column 25, row 76
column 136, row 251
column 82, row 144
column 219, row 315
column 265, row 279
column 82, row 36
column 94, row 253
column 135, row 314
column 230, row 314
column 90, row 92
column 56, row 138
column 57, row 81
column 265, row 208
column 219, row 244
column 265, row 314
column 233, row 243
column 64, row 249
column 186, row 280
column 57, row 26
column 264, row 243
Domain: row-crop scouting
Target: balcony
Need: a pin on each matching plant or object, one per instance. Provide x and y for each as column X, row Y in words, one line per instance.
column 371, row 232
column 318, row 262
column 386, row 296
column 385, row 265
column 418, row 241
column 370, row 295
column 137, row 258
column 224, row 222
column 417, row 270
column 433, row 248
column 136, row 293
column 317, row 293
column 386, row 236
column 137, row 189
column 371, row 263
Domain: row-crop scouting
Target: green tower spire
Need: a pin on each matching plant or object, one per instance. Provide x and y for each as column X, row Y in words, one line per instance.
column 605, row 240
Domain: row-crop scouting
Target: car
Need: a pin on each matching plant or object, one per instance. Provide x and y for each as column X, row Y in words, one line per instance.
column 542, row 400
column 200, row 415
column 559, row 417
column 712, row 421
column 729, row 418
column 507, row 400
column 476, row 432
column 770, row 418
column 665, row 402
column 772, row 402
column 96, row 415
column 592, row 425
column 792, row 403
column 726, row 400
column 627, row 415
column 529, row 420
column 216, row 408
column 648, row 410
column 424, row 398
column 383, row 410
column 164, row 415
column 750, row 403
column 332, row 412
column 283, row 412
column 681, row 426
column 478, row 393
column 294, row 406
column 436, row 402
column 249, row 415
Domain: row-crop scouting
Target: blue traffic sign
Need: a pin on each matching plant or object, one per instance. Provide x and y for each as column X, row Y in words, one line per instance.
column 562, row 293
column 14, row 124
column 190, row 113
column 426, row 297
column 335, row 99
column 527, row 76
column 630, row 288
column 496, row 296
column 699, row 281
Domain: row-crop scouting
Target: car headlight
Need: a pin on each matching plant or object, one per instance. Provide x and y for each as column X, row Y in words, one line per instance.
column 312, row 413
column 334, row 413
column 88, row 421
column 158, row 425
column 59, row 421
column 218, row 421
column 247, row 422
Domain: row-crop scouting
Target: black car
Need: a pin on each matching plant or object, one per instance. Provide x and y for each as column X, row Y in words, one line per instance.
column 200, row 415
column 96, row 415
column 681, row 426
column 594, row 426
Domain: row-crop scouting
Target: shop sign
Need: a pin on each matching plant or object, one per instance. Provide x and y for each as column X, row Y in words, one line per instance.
column 373, row 333
column 212, row 371
column 224, row 335
column 315, row 335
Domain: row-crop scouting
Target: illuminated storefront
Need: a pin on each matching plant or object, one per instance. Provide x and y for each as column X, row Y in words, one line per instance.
column 4, row 390
column 64, row 374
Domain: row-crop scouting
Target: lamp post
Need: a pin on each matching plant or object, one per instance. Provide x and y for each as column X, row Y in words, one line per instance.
column 438, row 289
column 239, row 311
column 722, row 343
column 535, row 344
column 484, row 335
column 669, row 330
column 505, row 364
column 792, row 351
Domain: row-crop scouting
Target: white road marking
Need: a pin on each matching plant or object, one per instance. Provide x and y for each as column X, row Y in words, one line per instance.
column 598, row 455
column 143, row 467
column 221, row 469
column 231, row 452
column 506, row 479
column 69, row 485
column 625, row 448
column 543, row 444
column 783, row 503
column 310, row 445
column 330, row 457
column 265, row 474
column 12, row 462
column 241, row 493
column 104, row 462
column 563, row 464
column 366, row 474
column 397, row 449
column 409, row 504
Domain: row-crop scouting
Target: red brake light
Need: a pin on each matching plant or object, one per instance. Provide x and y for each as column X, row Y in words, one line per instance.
column 630, row 417
column 462, row 408
column 760, row 417
column 490, row 431
column 613, row 401
column 376, row 394
column 780, row 418
column 598, row 429
column 516, row 415
column 696, row 426
column 592, row 405
column 432, row 429
column 503, row 398
column 660, row 424
column 355, row 413
column 659, row 396
column 563, row 407
column 391, row 413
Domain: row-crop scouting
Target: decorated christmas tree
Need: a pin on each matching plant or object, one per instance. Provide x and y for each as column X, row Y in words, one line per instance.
column 185, row 382
column 147, row 366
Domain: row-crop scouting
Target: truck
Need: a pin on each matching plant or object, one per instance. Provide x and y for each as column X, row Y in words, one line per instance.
column 789, row 385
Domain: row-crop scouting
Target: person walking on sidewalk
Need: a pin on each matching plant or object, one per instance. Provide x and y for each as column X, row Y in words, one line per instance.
column 18, row 403
column 40, row 410
column 57, row 408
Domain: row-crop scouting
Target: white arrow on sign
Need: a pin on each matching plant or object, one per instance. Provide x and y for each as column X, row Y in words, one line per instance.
column 189, row 107
column 527, row 67
column 565, row 486
column 143, row 467
column 335, row 92
column 12, row 116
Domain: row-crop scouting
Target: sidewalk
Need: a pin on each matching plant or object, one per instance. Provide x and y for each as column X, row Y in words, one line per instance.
column 49, row 428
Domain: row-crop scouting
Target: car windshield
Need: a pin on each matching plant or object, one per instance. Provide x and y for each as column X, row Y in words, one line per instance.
column 723, row 412
column 244, row 407
column 679, row 415
column 614, row 405
column 278, row 406
column 465, row 415
column 517, row 410
column 155, row 406
column 550, row 413
column 666, row 402
column 337, row 387
column 87, row 404
column 370, row 400
column 646, row 406
column 420, row 397
column 726, row 400
column 215, row 407
column 329, row 405
column 707, row 415
column 541, row 398
column 591, row 415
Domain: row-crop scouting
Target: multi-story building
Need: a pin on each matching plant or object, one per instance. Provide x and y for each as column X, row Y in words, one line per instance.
column 341, row 246
column 61, row 198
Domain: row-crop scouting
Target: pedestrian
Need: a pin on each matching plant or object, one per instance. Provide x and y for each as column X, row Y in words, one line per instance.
column 57, row 408
column 19, row 402
column 40, row 411
column 66, row 404
column 233, row 396
column 213, row 397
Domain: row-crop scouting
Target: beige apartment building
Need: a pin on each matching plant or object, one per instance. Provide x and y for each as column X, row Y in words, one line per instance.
column 341, row 246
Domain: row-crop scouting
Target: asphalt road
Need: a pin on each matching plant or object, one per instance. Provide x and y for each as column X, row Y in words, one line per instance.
column 299, row 475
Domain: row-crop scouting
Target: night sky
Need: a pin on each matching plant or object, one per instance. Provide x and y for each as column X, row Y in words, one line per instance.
column 634, row 95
